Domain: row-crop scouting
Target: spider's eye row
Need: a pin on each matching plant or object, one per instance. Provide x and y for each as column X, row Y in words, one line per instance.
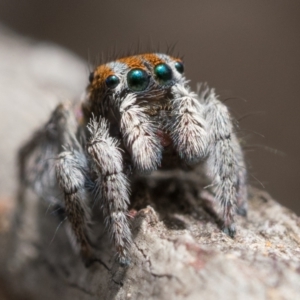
column 112, row 81
column 138, row 80
column 179, row 67
column 91, row 77
column 163, row 72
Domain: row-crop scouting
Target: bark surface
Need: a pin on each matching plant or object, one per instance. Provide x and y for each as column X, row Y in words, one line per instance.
column 178, row 251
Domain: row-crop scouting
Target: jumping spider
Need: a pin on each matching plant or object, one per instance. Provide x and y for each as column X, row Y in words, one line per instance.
column 138, row 115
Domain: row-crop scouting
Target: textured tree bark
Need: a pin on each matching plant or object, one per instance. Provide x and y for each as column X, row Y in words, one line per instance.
column 178, row 251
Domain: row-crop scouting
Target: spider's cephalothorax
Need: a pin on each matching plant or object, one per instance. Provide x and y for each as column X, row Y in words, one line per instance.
column 139, row 115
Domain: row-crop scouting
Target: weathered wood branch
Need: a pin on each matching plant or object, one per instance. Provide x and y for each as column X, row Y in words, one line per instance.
column 178, row 251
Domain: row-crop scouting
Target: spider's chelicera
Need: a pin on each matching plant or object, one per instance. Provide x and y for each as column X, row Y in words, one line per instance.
column 138, row 115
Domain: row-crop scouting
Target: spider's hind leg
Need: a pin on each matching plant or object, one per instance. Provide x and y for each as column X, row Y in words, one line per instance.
column 71, row 172
column 44, row 164
column 36, row 158
column 111, row 185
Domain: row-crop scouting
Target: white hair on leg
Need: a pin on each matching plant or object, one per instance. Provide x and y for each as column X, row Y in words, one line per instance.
column 71, row 167
column 140, row 136
column 112, row 185
column 225, row 157
column 188, row 127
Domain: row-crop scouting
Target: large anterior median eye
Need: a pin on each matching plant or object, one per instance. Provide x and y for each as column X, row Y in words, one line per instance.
column 112, row 81
column 163, row 72
column 137, row 80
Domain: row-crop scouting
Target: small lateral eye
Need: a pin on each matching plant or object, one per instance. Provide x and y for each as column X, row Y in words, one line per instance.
column 179, row 67
column 112, row 81
column 91, row 77
column 137, row 80
column 163, row 72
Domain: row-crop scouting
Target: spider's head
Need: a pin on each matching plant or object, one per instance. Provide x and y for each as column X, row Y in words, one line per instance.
column 149, row 77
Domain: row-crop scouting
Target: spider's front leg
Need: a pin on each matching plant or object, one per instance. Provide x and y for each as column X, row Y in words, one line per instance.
column 202, row 130
column 225, row 163
column 111, row 186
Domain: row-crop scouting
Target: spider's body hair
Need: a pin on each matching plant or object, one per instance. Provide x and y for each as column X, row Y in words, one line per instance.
column 113, row 54
column 140, row 115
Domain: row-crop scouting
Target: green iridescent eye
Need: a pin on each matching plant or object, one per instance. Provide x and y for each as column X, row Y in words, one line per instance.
column 137, row 80
column 112, row 81
column 163, row 72
column 179, row 67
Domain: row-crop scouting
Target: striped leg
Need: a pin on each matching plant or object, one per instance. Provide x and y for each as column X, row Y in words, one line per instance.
column 112, row 186
column 225, row 162
column 71, row 170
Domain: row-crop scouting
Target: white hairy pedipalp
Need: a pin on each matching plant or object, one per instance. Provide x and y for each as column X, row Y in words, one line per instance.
column 140, row 135
column 188, row 127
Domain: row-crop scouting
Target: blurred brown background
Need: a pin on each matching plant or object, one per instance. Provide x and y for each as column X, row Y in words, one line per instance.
column 245, row 49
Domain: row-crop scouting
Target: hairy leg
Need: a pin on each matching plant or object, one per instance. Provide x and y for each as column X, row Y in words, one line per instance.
column 112, row 186
column 242, row 190
column 225, row 161
column 37, row 157
column 71, row 173
column 42, row 167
